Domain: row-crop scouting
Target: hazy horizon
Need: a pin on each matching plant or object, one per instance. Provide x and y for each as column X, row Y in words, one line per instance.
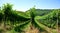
column 23, row 5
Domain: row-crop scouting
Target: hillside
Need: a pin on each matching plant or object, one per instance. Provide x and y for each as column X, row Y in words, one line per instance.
column 40, row 12
column 33, row 20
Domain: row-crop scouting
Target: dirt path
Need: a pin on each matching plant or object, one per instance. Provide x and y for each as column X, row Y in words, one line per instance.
column 58, row 29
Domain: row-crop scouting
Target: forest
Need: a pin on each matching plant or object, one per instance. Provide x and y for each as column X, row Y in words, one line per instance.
column 32, row 21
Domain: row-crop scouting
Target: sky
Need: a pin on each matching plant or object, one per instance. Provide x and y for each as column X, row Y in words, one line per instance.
column 23, row 5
